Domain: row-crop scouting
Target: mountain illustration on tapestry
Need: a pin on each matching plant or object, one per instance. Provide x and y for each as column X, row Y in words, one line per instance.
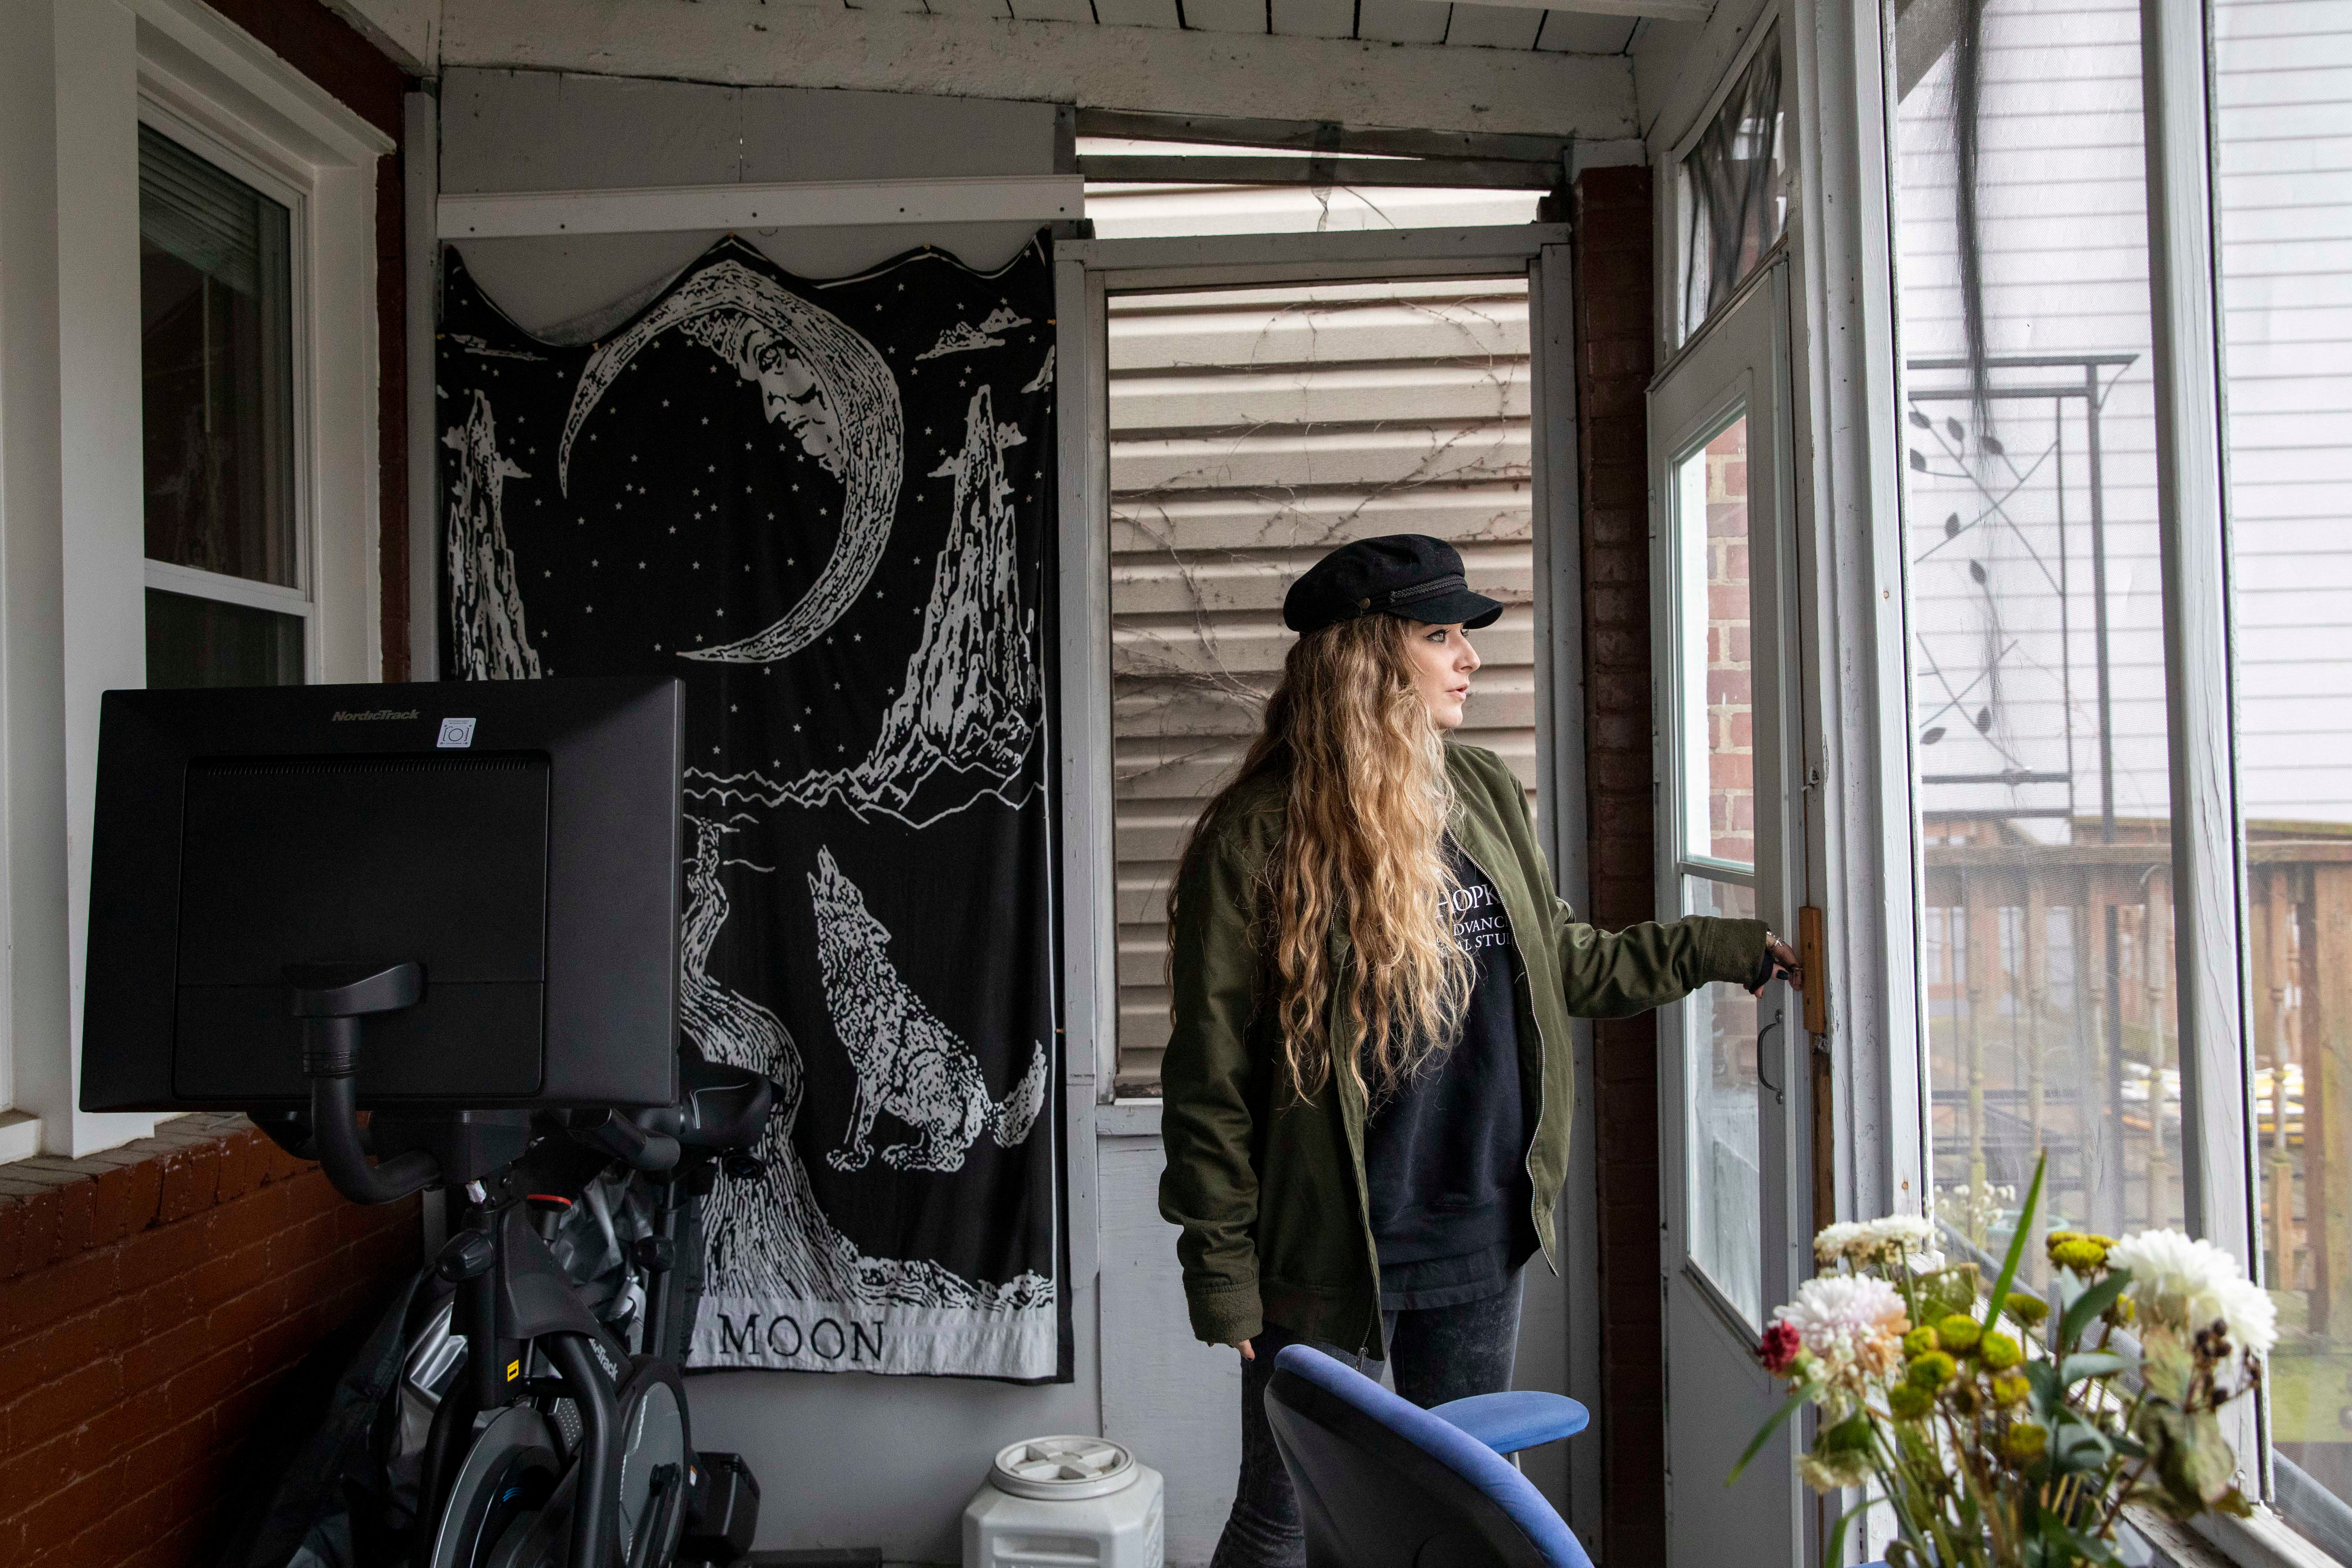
column 485, row 628
column 766, row 1237
column 961, row 728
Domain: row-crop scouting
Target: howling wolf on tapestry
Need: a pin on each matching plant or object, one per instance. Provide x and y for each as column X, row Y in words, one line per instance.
column 823, row 506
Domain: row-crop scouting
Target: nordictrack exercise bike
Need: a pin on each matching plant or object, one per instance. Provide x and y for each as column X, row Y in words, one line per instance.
column 553, row 1444
column 456, row 908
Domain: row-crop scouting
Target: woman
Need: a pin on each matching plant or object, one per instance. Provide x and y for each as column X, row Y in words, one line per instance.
column 1368, row 1083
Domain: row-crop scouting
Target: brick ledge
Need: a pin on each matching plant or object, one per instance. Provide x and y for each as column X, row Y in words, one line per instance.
column 52, row 1208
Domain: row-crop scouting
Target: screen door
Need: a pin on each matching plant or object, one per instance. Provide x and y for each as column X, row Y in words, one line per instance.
column 1729, row 1066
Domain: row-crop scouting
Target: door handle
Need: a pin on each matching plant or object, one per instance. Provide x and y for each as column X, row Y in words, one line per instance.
column 1779, row 1090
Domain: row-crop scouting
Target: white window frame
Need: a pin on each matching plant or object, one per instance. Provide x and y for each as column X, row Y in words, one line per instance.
column 1858, row 672
column 74, row 522
column 289, row 188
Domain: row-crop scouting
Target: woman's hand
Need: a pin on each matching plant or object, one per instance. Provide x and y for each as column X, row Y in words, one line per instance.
column 1244, row 1346
column 1779, row 964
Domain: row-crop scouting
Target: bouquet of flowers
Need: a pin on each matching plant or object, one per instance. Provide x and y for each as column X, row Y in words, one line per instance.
column 2004, row 1430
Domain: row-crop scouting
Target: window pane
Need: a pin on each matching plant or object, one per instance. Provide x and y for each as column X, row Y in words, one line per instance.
column 2283, row 141
column 1716, row 695
column 215, row 319
column 204, row 642
column 2036, row 617
column 1734, row 202
column 1725, row 1155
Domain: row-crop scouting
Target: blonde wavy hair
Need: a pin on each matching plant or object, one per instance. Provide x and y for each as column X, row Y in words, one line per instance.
column 1367, row 802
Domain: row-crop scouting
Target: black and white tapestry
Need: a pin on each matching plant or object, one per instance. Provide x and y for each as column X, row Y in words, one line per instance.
column 824, row 507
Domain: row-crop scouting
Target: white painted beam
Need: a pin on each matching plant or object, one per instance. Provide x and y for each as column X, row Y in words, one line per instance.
column 1159, row 69
column 1664, row 10
column 815, row 203
column 408, row 31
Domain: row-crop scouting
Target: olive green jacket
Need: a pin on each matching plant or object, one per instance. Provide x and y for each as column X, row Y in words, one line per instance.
column 1268, row 1187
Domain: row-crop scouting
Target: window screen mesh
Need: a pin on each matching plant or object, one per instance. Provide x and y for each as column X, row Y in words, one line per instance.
column 1734, row 203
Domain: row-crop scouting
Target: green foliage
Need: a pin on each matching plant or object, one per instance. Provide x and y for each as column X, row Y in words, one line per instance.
column 1993, row 1448
column 2091, row 1363
column 1799, row 1397
column 1851, row 1435
column 1946, row 1291
column 2177, row 1425
column 2017, row 1243
column 2088, row 1307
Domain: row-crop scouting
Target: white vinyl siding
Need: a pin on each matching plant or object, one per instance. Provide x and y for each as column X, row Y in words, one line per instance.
column 2284, row 183
column 2065, row 250
column 1251, row 431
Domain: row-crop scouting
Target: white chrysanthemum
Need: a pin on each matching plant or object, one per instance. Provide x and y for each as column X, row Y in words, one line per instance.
column 1852, row 1322
column 2251, row 1315
column 2187, row 1284
column 1838, row 1240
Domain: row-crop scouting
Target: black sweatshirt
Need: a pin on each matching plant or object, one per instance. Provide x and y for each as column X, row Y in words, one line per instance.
column 1446, row 1153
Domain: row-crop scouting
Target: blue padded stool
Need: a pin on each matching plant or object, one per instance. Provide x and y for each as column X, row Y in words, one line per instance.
column 1382, row 1483
column 1519, row 1419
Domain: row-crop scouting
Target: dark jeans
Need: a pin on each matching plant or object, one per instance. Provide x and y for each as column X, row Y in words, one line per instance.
column 1446, row 1353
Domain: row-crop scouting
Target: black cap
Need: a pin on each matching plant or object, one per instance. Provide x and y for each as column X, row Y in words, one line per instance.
column 1409, row 575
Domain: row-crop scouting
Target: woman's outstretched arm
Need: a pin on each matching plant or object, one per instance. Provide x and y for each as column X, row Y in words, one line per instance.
column 1613, row 975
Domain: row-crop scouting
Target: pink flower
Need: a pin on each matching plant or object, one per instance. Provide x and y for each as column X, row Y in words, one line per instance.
column 1782, row 1343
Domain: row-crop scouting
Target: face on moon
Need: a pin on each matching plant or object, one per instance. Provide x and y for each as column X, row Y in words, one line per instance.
column 791, row 395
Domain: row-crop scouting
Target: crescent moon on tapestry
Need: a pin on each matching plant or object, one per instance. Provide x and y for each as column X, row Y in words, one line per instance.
column 819, row 379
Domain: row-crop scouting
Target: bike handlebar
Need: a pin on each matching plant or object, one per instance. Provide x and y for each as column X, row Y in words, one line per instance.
column 612, row 1133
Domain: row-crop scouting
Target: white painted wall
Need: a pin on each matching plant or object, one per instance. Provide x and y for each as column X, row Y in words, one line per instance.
column 539, row 131
column 1165, row 69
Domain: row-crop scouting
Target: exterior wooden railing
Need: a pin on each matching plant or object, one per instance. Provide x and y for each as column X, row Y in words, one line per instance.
column 2051, row 1027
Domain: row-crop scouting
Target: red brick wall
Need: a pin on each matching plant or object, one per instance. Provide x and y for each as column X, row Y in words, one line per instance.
column 154, row 1300
column 1613, row 330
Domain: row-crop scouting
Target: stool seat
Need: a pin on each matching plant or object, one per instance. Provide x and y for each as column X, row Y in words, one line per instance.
column 1521, row 1418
